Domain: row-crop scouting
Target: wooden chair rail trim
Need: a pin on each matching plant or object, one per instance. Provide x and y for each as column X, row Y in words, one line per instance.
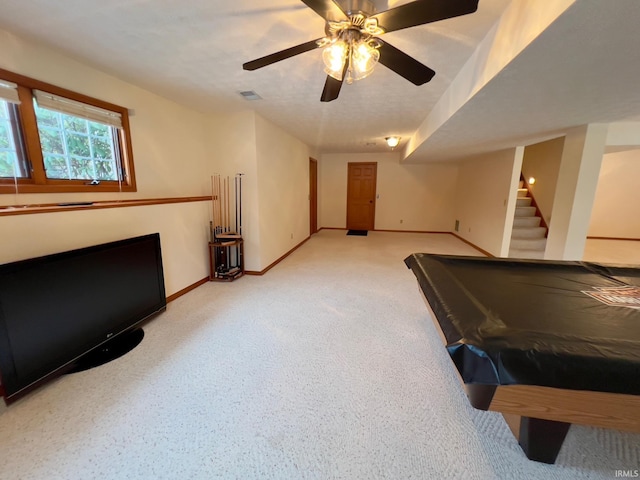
column 88, row 205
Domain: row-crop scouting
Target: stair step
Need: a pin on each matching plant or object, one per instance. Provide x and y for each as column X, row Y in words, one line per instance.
column 523, row 202
column 529, row 244
column 533, row 254
column 520, row 184
column 526, row 222
column 525, row 211
column 528, row 232
column 523, row 192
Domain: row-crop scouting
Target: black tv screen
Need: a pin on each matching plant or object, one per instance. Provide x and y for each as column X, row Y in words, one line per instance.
column 55, row 309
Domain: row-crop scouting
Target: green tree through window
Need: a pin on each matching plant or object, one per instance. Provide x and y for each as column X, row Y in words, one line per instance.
column 75, row 148
column 8, row 150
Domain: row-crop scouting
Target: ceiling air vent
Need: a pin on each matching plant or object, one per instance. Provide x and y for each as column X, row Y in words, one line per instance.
column 250, row 95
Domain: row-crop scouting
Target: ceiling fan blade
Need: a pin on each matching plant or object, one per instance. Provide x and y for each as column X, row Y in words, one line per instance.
column 423, row 11
column 327, row 9
column 281, row 55
column 331, row 89
column 404, row 65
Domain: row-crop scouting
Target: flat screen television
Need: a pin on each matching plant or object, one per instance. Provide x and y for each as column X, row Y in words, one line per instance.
column 58, row 309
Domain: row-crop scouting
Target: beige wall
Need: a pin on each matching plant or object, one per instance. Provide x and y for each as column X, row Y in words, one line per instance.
column 170, row 160
column 486, row 191
column 332, row 189
column 575, row 192
column 283, row 190
column 234, row 137
column 542, row 161
column 275, row 184
column 422, row 196
column 617, row 202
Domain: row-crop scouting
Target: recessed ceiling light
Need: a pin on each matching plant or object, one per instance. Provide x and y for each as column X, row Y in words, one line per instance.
column 250, row 95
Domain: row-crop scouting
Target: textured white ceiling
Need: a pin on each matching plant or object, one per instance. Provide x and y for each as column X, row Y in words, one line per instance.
column 584, row 68
column 192, row 51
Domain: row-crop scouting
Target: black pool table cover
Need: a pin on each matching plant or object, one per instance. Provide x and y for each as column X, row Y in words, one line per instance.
column 571, row 325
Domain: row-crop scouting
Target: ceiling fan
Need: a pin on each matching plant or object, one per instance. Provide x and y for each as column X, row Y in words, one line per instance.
column 351, row 44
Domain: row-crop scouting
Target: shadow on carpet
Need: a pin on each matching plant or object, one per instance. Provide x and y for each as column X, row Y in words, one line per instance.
column 360, row 233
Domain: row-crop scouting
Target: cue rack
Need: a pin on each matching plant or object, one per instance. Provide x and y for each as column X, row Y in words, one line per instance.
column 226, row 246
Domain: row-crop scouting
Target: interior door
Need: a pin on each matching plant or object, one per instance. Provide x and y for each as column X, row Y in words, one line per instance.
column 313, row 196
column 361, row 195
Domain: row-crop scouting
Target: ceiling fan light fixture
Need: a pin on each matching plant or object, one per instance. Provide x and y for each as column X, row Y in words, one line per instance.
column 361, row 54
column 392, row 141
column 364, row 57
column 351, row 48
column 334, row 57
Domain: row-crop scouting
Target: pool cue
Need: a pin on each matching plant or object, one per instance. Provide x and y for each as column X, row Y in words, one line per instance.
column 228, row 204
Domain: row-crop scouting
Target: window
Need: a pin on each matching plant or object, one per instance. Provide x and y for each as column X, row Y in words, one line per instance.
column 55, row 140
column 11, row 153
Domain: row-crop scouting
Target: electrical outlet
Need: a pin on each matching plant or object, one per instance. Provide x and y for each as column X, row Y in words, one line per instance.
column 292, row 236
column 401, row 220
column 457, row 227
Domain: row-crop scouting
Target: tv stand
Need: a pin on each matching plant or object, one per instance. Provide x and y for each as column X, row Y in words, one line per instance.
column 110, row 350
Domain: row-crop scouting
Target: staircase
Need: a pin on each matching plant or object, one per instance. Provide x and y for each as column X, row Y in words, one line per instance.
column 528, row 238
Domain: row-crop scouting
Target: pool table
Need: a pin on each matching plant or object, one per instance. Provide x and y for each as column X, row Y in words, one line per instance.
column 546, row 343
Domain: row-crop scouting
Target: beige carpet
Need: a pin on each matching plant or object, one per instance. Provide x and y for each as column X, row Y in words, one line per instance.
column 328, row 367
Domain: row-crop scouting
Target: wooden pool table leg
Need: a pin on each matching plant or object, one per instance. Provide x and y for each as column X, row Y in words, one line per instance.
column 480, row 396
column 540, row 439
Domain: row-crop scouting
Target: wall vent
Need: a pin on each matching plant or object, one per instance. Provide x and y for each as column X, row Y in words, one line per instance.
column 250, row 95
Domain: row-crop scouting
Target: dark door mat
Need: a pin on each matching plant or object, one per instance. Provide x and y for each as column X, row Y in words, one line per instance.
column 360, row 233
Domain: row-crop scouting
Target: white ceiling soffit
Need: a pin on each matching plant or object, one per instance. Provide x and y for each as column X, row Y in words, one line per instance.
column 583, row 68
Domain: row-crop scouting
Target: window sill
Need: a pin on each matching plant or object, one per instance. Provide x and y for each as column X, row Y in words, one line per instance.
column 10, row 188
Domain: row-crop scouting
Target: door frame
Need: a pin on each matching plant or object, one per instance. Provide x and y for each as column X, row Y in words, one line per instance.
column 313, row 196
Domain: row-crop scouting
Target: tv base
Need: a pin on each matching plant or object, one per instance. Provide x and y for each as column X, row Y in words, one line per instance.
column 110, row 350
